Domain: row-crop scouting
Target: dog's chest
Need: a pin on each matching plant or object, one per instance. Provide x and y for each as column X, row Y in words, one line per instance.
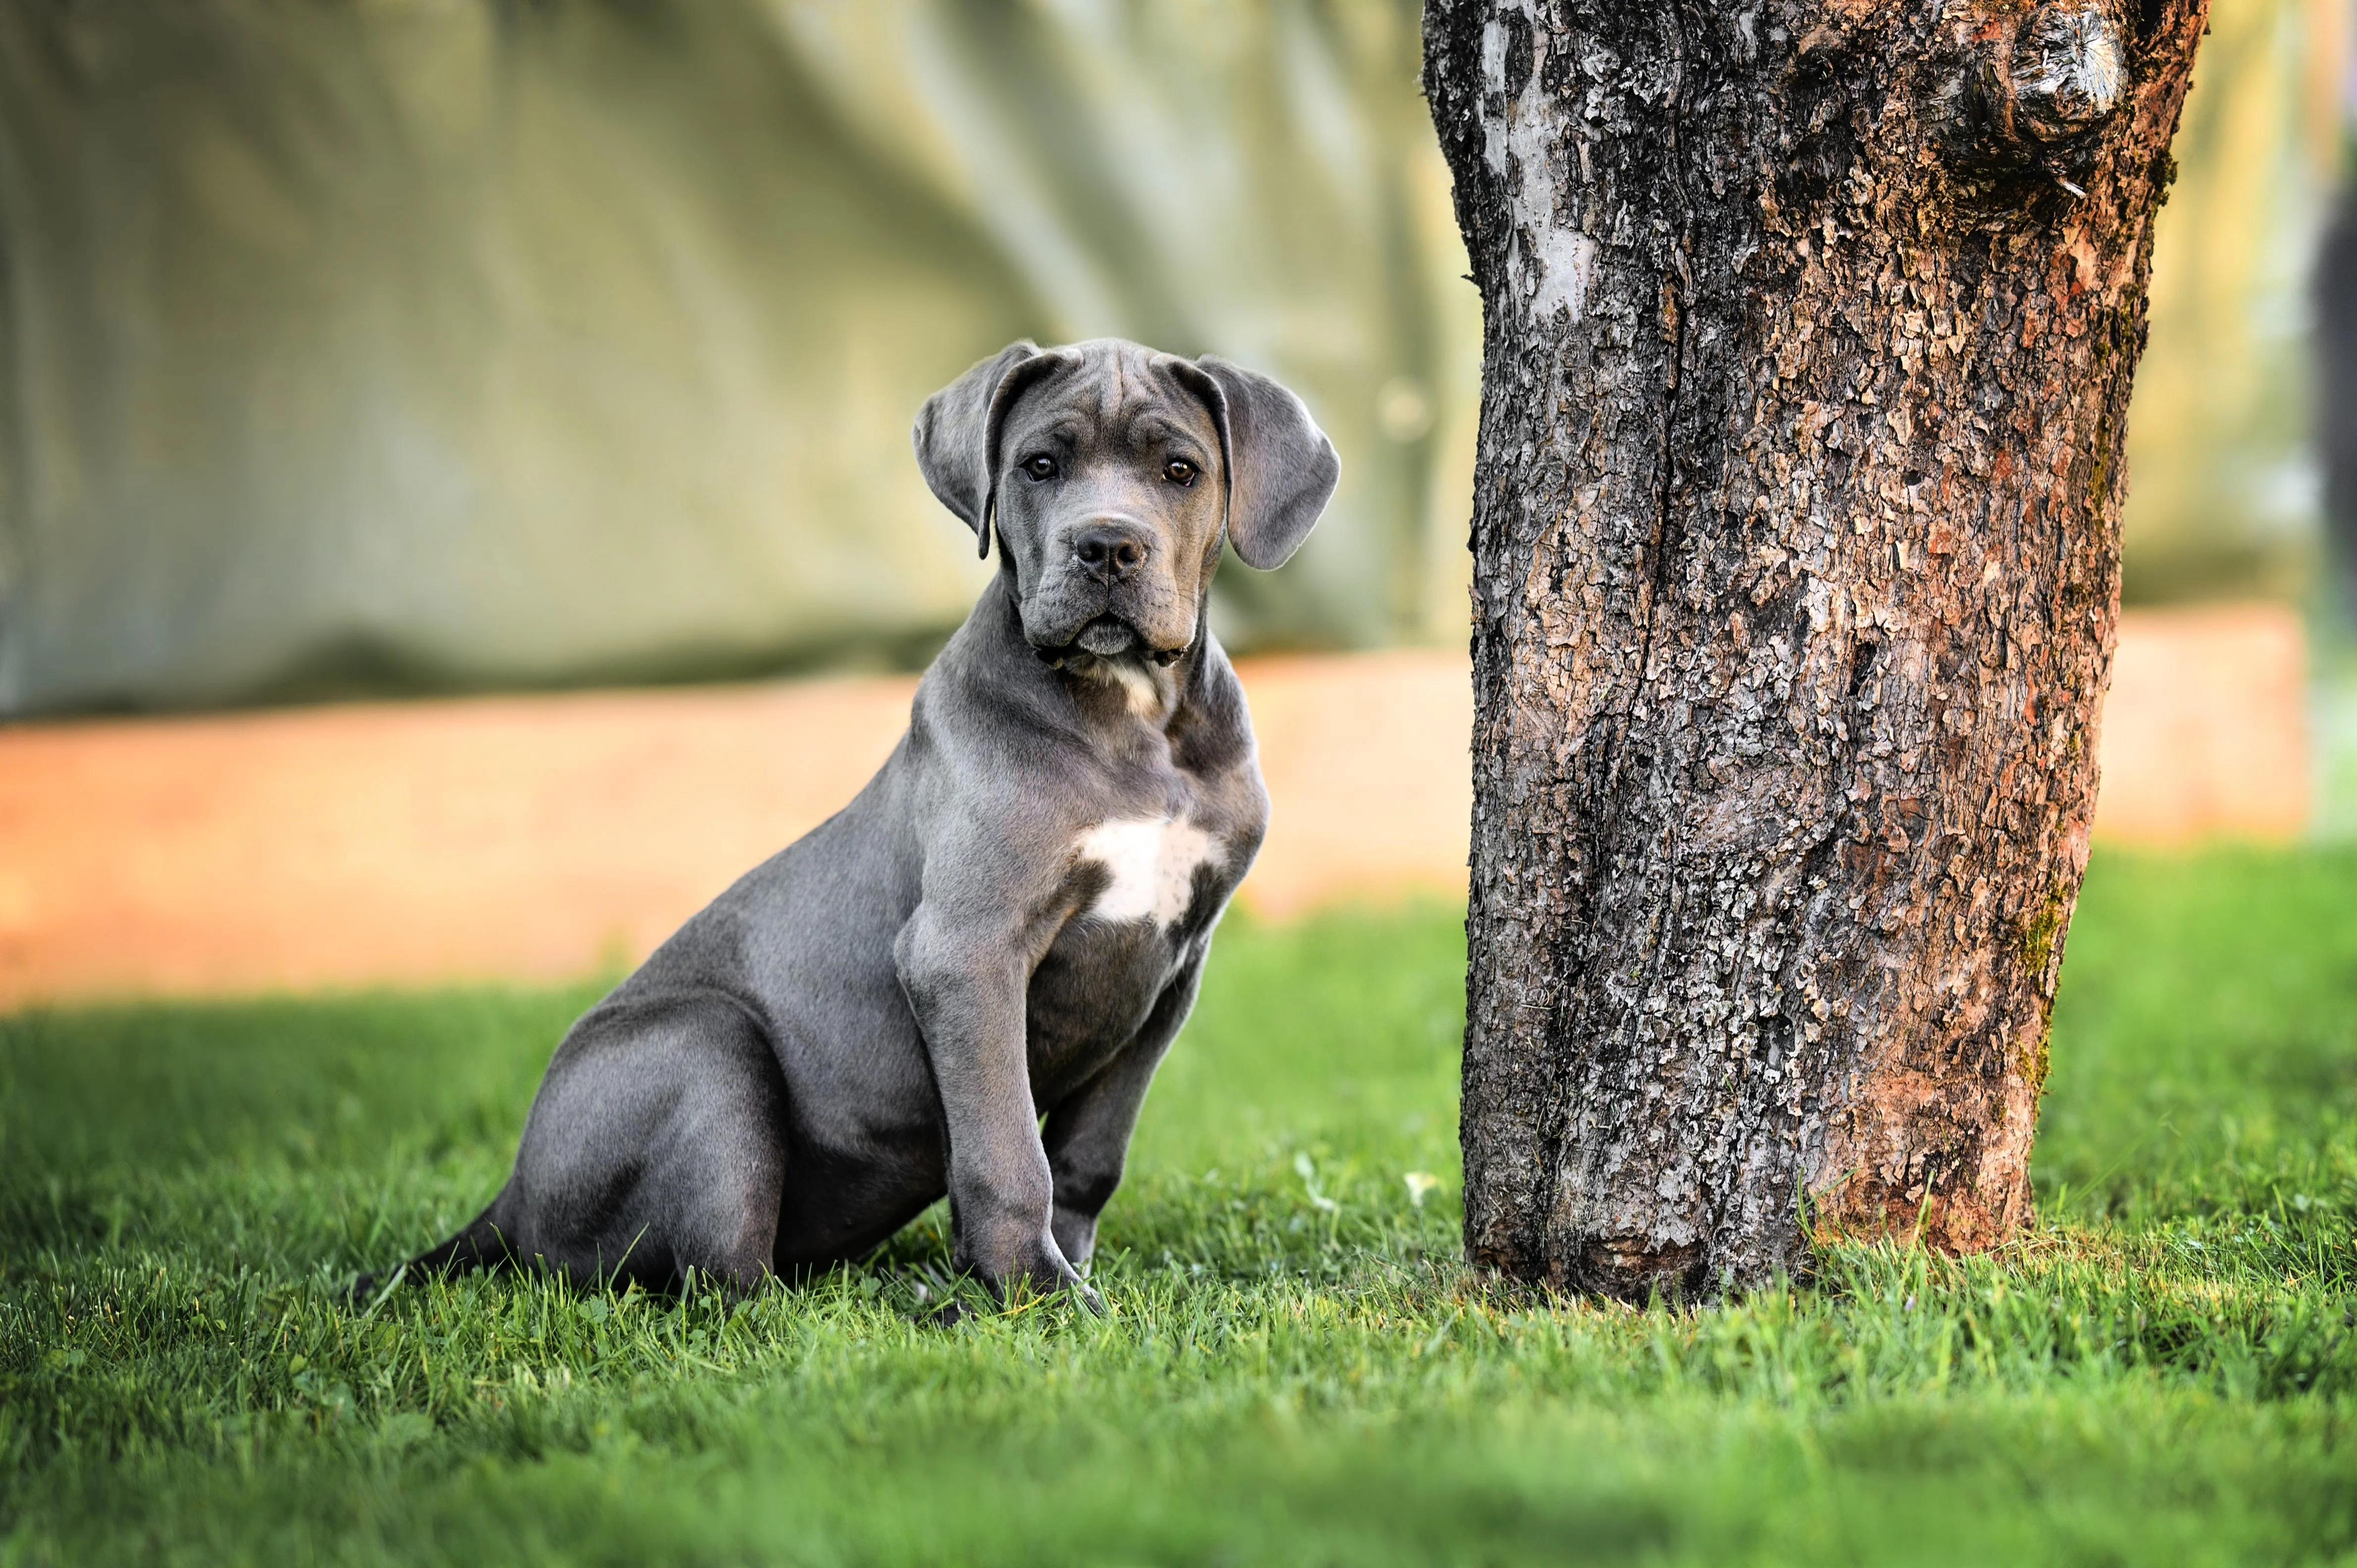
column 1149, row 889
column 1148, row 868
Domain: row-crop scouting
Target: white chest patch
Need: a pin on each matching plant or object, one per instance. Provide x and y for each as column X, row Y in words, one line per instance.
column 1152, row 862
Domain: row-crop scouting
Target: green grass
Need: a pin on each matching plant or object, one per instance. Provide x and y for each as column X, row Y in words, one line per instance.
column 1297, row 1370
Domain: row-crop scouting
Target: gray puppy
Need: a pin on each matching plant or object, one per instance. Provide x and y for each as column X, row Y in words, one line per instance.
column 963, row 979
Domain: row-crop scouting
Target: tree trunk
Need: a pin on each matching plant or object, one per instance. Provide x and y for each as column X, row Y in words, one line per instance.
column 1810, row 327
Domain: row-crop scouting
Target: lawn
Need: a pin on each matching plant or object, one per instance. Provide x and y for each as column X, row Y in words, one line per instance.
column 1296, row 1369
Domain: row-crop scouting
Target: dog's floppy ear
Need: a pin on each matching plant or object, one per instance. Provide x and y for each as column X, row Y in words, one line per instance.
column 957, row 433
column 1281, row 468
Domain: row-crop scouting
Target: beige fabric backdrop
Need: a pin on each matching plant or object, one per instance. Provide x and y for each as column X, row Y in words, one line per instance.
column 422, row 344
column 360, row 347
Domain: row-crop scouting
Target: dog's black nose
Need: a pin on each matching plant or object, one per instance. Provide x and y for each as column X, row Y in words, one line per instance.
column 1108, row 552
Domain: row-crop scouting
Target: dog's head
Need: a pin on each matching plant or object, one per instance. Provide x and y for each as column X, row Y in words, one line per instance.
column 1111, row 473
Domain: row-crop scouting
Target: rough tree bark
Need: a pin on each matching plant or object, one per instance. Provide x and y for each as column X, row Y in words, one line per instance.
column 1810, row 326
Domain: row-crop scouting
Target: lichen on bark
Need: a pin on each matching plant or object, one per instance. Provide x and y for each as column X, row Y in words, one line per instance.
column 1810, row 326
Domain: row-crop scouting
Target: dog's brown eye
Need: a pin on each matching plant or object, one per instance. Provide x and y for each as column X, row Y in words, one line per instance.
column 1040, row 467
column 1178, row 471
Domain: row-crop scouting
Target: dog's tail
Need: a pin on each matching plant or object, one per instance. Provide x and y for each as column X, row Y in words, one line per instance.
column 481, row 1244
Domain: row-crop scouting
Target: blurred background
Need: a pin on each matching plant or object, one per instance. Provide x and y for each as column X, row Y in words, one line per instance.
column 396, row 349
column 397, row 345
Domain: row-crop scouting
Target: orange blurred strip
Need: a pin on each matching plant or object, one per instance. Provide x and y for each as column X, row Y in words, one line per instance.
column 540, row 838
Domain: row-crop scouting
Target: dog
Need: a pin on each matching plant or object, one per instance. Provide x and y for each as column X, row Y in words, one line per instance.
column 964, row 981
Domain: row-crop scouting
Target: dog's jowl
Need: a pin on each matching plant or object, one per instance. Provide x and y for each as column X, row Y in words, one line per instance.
column 963, row 982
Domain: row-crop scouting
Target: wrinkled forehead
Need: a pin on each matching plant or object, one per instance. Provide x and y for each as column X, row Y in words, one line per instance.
column 1114, row 397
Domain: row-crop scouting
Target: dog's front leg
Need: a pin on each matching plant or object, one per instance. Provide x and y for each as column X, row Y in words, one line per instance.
column 968, row 994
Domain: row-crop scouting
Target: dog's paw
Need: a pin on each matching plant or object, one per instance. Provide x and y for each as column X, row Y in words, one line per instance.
column 1065, row 1284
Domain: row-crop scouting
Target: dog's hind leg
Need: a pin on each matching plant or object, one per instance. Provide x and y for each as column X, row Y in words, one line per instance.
column 656, row 1152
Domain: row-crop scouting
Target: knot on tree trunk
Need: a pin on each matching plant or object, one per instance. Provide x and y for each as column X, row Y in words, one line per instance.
column 2066, row 74
column 2021, row 101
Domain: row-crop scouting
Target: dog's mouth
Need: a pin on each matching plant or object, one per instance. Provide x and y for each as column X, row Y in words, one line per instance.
column 1108, row 637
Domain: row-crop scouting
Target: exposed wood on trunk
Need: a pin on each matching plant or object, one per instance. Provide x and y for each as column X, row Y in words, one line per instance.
column 1809, row 329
